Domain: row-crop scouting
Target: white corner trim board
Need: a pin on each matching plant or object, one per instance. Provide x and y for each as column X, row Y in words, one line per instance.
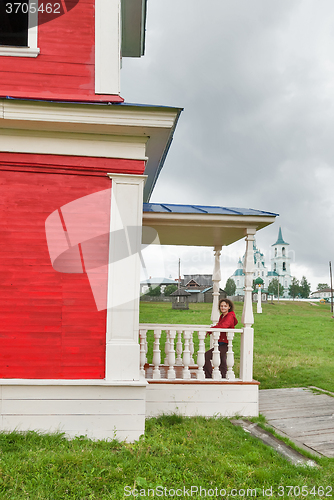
column 122, row 348
column 107, row 46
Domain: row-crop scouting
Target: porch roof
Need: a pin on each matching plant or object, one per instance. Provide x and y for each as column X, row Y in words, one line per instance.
column 197, row 225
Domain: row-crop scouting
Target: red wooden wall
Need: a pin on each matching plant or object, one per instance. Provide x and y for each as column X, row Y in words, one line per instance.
column 50, row 326
column 64, row 70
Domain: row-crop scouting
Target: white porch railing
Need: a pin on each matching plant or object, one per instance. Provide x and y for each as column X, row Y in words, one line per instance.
column 180, row 352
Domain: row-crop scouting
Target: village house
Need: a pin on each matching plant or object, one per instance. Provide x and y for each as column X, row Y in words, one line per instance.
column 77, row 168
column 324, row 293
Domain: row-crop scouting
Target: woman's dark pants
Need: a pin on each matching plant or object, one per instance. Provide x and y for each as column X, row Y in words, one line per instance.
column 208, row 365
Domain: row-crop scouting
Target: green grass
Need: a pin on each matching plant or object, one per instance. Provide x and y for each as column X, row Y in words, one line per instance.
column 293, row 341
column 174, row 453
column 293, row 346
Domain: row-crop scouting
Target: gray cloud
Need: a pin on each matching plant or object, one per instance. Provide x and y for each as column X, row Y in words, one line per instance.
column 256, row 79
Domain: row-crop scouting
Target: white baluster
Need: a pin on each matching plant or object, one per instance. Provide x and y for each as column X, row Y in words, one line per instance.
column 142, row 335
column 156, row 354
column 201, row 356
column 216, row 375
column 171, row 356
column 179, row 348
column 192, row 348
column 230, row 357
column 186, row 356
column 167, row 347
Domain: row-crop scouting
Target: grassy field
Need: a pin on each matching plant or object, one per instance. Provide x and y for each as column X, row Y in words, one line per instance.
column 293, row 341
column 176, row 453
column 293, row 346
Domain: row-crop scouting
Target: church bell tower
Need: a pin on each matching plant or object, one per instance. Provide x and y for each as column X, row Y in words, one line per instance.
column 280, row 262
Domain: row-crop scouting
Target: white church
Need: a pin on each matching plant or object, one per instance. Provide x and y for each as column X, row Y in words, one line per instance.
column 280, row 267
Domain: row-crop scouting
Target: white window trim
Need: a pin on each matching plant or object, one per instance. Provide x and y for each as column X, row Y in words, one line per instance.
column 32, row 50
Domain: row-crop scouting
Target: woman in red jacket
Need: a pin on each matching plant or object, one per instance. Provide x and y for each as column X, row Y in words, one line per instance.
column 227, row 320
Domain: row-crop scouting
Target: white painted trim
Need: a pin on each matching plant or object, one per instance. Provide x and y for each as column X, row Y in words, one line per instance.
column 122, row 348
column 107, row 46
column 19, row 51
column 195, row 328
column 72, row 382
column 127, row 178
column 73, row 144
column 166, row 219
column 32, row 50
column 111, row 116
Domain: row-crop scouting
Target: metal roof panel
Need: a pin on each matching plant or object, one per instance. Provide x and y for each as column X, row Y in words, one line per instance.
column 201, row 209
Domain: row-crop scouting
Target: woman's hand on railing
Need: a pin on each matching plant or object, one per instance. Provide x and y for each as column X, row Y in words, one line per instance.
column 209, row 333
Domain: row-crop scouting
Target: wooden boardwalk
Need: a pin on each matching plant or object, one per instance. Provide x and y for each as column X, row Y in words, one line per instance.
column 304, row 416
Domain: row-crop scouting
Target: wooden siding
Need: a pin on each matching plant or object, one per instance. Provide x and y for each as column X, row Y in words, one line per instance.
column 64, row 69
column 98, row 411
column 200, row 398
column 50, row 327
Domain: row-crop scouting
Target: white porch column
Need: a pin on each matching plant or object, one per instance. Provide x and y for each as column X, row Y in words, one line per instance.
column 122, row 348
column 259, row 304
column 216, row 277
column 247, row 337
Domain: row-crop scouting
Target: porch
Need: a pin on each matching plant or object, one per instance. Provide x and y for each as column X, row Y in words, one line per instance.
column 172, row 360
column 172, row 356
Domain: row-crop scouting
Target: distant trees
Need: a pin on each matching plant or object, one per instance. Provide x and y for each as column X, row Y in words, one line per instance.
column 322, row 286
column 170, row 289
column 230, row 287
column 273, row 288
column 294, row 288
column 154, row 292
column 305, row 288
column 300, row 289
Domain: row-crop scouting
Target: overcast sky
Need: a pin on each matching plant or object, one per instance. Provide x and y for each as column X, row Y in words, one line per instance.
column 256, row 81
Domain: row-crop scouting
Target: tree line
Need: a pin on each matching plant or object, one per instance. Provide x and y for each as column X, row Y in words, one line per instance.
column 297, row 288
column 156, row 291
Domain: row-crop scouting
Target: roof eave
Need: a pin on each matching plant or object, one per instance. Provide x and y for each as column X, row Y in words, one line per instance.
column 202, row 229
